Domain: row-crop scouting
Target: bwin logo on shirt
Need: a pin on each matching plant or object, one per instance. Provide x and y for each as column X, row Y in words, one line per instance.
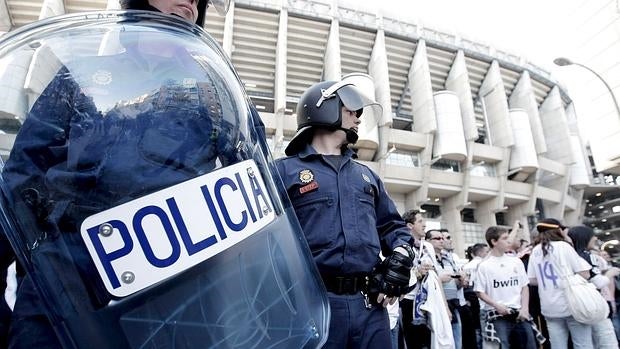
column 513, row 281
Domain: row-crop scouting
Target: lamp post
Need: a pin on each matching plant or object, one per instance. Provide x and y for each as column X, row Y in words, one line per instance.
column 561, row 61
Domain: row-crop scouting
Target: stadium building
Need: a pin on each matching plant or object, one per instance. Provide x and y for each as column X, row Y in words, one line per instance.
column 473, row 135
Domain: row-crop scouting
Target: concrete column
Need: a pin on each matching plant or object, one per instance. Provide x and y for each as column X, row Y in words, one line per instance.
column 562, row 186
column 378, row 69
column 332, row 69
column 5, row 18
column 554, row 210
column 227, row 40
column 280, row 77
column 531, row 204
column 411, row 203
column 555, row 128
column 463, row 196
column 13, row 71
column 41, row 71
column 6, row 144
column 449, row 137
column 558, row 183
column 519, row 212
column 426, row 155
column 421, row 92
column 52, row 8
column 575, row 217
column 458, row 82
column 579, row 171
column 494, row 97
column 502, row 168
column 485, row 213
column 451, row 214
column 523, row 97
column 523, row 155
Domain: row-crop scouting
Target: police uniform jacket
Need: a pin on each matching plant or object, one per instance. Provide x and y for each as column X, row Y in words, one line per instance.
column 345, row 213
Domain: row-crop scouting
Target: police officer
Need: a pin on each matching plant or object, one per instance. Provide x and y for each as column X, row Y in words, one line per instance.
column 30, row 327
column 191, row 10
column 346, row 215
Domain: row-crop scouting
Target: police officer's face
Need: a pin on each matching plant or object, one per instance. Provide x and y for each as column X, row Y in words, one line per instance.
column 188, row 9
column 350, row 119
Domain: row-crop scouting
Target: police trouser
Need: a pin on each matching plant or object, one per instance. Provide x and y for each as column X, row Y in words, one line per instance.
column 353, row 325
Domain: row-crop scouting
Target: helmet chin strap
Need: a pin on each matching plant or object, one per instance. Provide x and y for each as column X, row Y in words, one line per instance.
column 352, row 136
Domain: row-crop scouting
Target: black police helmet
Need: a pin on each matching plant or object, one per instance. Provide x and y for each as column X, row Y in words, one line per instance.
column 321, row 106
column 220, row 5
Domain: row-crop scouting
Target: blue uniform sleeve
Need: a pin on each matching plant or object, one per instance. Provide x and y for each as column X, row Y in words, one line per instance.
column 393, row 231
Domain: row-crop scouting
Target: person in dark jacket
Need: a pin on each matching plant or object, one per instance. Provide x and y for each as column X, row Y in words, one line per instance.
column 346, row 215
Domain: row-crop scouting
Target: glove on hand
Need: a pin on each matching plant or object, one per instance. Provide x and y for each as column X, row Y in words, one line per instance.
column 391, row 277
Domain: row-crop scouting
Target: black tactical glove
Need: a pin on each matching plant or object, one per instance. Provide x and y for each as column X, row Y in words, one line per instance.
column 391, row 277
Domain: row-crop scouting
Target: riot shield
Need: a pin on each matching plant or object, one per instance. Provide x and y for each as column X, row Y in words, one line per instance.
column 139, row 193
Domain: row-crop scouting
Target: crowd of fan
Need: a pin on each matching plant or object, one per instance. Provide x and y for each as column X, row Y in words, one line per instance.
column 506, row 293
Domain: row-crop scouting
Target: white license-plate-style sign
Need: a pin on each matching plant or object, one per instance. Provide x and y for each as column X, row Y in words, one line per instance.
column 147, row 240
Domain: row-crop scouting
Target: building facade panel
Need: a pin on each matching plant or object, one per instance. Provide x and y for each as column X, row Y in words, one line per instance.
column 523, row 156
column 450, row 138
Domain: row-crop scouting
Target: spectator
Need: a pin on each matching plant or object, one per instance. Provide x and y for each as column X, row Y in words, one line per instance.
column 613, row 296
column 468, row 327
column 416, row 331
column 552, row 248
column 451, row 281
column 501, row 283
column 584, row 241
column 478, row 252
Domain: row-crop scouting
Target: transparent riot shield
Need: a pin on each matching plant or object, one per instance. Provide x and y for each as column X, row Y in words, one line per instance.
column 139, row 194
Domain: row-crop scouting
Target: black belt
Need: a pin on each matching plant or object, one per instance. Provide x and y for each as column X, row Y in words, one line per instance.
column 346, row 284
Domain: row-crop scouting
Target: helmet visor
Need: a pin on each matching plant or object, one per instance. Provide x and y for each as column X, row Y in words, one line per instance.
column 221, row 6
column 353, row 99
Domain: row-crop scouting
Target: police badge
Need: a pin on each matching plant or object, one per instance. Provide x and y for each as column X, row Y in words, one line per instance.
column 306, row 176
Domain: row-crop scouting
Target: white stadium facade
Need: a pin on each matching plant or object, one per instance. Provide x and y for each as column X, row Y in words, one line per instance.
column 473, row 135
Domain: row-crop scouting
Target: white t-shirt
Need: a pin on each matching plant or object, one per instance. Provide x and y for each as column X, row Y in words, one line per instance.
column 471, row 266
column 552, row 300
column 470, row 269
column 502, row 279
